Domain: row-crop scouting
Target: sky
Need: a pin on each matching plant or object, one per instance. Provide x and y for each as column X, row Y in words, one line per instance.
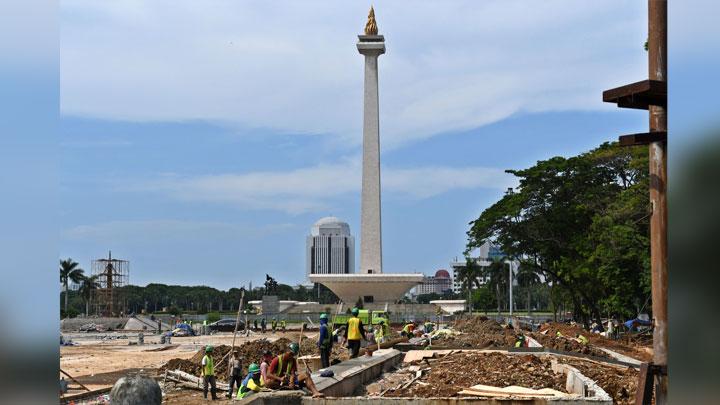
column 202, row 143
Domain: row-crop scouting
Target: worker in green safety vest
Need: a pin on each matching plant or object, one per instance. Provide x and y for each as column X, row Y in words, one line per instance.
column 207, row 371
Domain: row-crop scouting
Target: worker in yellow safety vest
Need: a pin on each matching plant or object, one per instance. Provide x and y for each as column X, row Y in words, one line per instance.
column 354, row 331
column 581, row 339
column 380, row 332
column 207, row 370
column 252, row 383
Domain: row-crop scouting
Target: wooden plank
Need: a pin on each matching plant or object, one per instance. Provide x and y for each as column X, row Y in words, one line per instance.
column 644, row 138
column 75, row 381
column 83, row 395
column 643, row 394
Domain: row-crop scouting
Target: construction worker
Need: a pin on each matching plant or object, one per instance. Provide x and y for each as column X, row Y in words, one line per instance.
column 283, row 325
column 274, row 324
column 380, row 332
column 263, row 324
column 234, row 372
column 267, row 358
column 282, row 372
column 252, row 383
column 354, row 331
column 581, row 339
column 408, row 329
column 429, row 326
column 325, row 341
column 207, row 371
column 520, row 342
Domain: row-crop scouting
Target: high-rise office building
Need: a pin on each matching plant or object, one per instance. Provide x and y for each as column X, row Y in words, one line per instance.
column 330, row 248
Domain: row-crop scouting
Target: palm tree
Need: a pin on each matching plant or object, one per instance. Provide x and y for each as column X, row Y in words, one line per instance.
column 527, row 278
column 468, row 275
column 69, row 271
column 87, row 286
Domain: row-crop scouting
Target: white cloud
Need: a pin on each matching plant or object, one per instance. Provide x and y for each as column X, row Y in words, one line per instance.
column 315, row 189
column 292, row 66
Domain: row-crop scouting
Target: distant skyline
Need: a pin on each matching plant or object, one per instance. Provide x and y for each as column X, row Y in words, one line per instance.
column 201, row 144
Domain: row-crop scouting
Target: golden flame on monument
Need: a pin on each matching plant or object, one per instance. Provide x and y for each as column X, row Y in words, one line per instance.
column 371, row 26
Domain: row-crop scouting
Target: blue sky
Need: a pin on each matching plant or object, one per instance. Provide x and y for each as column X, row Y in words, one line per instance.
column 202, row 143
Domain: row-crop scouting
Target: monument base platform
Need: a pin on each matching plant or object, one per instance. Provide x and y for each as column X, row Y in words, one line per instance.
column 371, row 288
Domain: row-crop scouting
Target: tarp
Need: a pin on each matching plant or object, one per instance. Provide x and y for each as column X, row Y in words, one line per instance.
column 637, row 322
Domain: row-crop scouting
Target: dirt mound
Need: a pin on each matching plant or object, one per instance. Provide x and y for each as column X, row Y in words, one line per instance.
column 182, row 365
column 480, row 332
column 632, row 346
column 457, row 371
column 479, row 325
column 567, row 344
column 619, row 382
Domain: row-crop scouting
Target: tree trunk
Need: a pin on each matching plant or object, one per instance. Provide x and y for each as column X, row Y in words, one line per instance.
column 87, row 307
column 66, row 299
column 528, row 301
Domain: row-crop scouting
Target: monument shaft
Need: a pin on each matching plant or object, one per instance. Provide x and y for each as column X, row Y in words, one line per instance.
column 371, row 46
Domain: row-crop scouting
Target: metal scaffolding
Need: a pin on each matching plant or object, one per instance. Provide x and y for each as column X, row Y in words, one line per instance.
column 111, row 274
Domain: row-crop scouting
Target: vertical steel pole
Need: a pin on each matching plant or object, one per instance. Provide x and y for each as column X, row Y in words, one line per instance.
column 510, row 282
column 657, row 54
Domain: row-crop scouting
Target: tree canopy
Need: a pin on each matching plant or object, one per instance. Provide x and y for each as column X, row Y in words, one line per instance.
column 582, row 222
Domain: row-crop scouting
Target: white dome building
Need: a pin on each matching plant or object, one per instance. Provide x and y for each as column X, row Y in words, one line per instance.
column 330, row 248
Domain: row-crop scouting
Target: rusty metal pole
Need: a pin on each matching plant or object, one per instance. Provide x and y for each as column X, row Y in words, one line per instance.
column 657, row 54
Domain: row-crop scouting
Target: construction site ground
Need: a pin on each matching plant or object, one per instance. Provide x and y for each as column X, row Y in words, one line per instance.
column 97, row 360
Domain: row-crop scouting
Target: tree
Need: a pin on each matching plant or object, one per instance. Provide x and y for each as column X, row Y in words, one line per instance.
column 582, row 222
column 69, row 271
column 88, row 285
column 527, row 278
column 483, row 298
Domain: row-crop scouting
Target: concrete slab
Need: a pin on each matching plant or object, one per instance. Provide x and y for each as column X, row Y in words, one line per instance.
column 621, row 357
column 351, row 375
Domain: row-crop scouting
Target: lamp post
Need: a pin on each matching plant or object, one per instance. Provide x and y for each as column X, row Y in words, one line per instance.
column 510, row 282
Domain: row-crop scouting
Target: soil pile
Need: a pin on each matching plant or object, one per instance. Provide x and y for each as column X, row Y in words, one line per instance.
column 619, row 382
column 309, row 348
column 568, row 344
column 480, row 332
column 446, row 376
column 632, row 345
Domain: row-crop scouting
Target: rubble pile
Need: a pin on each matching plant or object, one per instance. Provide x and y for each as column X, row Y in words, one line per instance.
column 448, row 375
column 480, row 332
column 619, row 382
column 568, row 344
column 309, row 347
column 632, row 346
